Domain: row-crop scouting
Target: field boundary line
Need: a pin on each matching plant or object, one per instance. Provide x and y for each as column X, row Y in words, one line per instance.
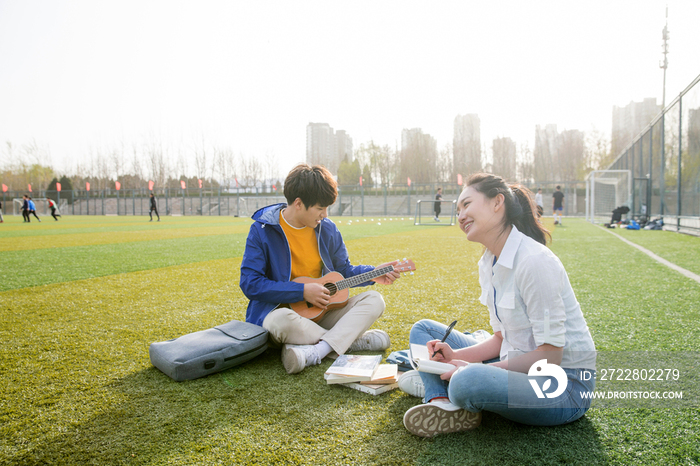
column 657, row 258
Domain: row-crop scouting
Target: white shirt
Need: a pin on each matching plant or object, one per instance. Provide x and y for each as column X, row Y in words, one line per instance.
column 538, row 200
column 535, row 304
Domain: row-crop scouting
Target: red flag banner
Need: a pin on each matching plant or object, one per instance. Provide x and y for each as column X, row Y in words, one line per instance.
column 183, row 185
column 360, row 181
column 58, row 187
column 200, row 184
column 236, row 182
column 117, row 185
column 30, row 187
column 87, row 186
column 274, row 187
column 150, row 185
column 459, row 179
column 409, row 181
column 4, row 188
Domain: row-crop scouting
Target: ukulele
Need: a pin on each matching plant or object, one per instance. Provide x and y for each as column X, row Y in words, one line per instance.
column 339, row 288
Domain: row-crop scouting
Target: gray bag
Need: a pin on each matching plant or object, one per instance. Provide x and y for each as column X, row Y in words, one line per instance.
column 205, row 352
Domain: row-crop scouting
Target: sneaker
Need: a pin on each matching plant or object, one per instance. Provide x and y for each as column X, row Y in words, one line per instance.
column 411, row 383
column 296, row 357
column 441, row 417
column 371, row 340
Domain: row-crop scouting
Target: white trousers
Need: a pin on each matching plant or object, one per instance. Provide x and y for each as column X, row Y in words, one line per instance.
column 338, row 328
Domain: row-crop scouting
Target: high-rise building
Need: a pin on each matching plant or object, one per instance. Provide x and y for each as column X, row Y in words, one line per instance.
column 466, row 144
column 629, row 121
column 504, row 158
column 327, row 147
column 557, row 156
column 545, row 153
column 343, row 146
column 418, row 155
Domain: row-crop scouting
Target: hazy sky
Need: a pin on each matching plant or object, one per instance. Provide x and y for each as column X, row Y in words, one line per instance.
column 252, row 75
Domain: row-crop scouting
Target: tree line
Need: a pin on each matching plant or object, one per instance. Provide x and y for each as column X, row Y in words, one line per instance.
column 557, row 156
column 134, row 166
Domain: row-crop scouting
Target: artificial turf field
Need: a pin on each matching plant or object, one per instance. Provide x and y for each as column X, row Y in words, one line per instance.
column 81, row 300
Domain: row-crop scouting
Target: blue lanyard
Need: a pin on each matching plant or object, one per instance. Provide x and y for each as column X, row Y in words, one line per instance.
column 494, row 289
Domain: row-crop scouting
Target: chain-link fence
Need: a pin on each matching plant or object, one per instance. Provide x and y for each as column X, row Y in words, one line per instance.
column 665, row 163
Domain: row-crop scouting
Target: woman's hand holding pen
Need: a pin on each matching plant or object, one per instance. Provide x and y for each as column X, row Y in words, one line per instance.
column 441, row 351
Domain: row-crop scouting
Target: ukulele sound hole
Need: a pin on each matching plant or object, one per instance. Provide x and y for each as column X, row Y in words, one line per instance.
column 331, row 288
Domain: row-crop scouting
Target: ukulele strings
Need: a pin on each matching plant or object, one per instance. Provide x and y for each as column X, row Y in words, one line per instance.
column 356, row 280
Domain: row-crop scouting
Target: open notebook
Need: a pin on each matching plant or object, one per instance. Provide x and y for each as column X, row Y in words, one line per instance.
column 420, row 360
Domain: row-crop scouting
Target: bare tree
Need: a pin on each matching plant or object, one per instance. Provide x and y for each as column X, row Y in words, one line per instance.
column 200, row 159
column 136, row 167
column 525, row 164
column 598, row 154
column 270, row 167
column 444, row 165
column 117, row 160
column 230, row 162
column 251, row 171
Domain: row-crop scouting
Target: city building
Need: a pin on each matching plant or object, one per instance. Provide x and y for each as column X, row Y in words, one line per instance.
column 504, row 158
column 327, row 147
column 419, row 156
column 466, row 144
column 629, row 121
column 545, row 153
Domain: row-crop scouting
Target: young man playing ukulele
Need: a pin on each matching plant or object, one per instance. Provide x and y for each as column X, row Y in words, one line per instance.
column 293, row 240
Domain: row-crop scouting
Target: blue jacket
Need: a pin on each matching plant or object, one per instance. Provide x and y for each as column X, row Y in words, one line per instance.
column 32, row 206
column 266, row 268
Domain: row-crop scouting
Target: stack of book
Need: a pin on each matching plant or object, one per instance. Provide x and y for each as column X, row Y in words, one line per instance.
column 364, row 373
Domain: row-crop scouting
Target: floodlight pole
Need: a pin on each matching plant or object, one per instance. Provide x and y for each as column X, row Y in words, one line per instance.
column 663, row 65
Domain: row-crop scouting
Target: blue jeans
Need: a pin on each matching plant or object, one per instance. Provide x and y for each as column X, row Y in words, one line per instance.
column 482, row 387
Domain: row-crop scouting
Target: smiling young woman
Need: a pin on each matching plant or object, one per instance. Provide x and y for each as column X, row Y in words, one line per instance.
column 538, row 327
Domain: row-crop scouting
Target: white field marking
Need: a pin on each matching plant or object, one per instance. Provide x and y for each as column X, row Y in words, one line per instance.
column 658, row 259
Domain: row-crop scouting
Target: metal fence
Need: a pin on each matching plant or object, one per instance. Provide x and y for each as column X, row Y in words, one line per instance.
column 353, row 200
column 665, row 163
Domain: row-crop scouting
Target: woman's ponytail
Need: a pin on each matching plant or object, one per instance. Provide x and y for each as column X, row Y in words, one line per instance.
column 528, row 221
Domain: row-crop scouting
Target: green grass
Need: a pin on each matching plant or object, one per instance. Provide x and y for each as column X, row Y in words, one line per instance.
column 673, row 247
column 77, row 387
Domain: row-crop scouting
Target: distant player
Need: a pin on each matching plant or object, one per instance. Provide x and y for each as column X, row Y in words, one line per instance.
column 558, row 205
column 1, row 219
column 436, row 207
column 32, row 209
column 54, row 210
column 25, row 208
column 540, row 202
column 154, row 208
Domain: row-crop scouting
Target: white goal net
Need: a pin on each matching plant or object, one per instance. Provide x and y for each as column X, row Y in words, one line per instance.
column 606, row 190
column 426, row 212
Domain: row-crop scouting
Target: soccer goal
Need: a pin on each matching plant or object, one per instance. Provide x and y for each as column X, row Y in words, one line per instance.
column 425, row 212
column 606, row 190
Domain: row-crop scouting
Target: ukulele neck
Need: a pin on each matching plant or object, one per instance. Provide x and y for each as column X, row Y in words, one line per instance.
column 363, row 277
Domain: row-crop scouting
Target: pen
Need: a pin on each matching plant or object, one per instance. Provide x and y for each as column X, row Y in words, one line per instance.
column 447, row 334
